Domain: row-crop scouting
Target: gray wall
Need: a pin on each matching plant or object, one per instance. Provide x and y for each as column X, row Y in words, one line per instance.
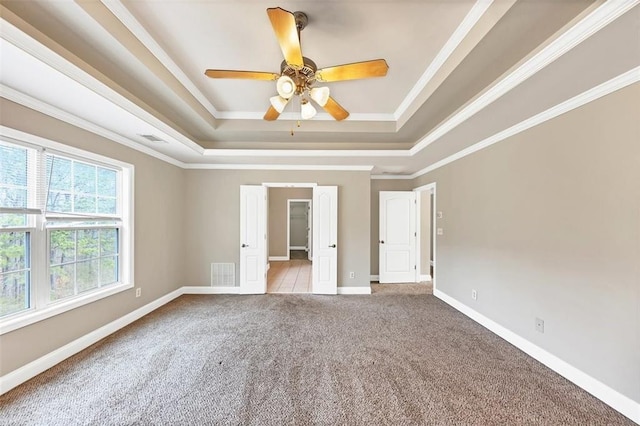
column 213, row 224
column 378, row 185
column 278, row 216
column 547, row 224
column 158, row 236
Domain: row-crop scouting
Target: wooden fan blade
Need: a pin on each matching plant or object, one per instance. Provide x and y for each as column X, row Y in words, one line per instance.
column 336, row 111
column 354, row 71
column 284, row 25
column 271, row 114
column 251, row 75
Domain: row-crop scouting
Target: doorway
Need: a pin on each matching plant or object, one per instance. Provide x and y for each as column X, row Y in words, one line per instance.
column 290, row 259
column 426, row 233
column 255, row 258
column 407, row 231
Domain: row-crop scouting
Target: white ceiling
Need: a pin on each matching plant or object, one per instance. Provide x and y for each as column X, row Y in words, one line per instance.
column 460, row 73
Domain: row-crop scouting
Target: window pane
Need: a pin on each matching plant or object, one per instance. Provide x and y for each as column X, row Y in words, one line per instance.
column 59, row 202
column 108, row 270
column 14, row 272
column 107, row 205
column 13, row 197
column 62, row 247
column 88, row 244
column 84, row 178
column 108, row 241
column 13, row 166
column 10, row 220
column 62, row 278
column 85, row 204
column 107, row 182
column 14, row 251
column 58, row 179
column 87, row 275
column 14, row 292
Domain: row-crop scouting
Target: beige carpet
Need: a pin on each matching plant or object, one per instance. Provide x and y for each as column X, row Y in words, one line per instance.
column 385, row 359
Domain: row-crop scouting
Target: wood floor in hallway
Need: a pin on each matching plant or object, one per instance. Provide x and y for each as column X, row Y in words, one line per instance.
column 292, row 276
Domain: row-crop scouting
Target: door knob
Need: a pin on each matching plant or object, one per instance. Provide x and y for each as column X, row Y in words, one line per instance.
column 244, row 245
column 332, row 246
column 381, row 241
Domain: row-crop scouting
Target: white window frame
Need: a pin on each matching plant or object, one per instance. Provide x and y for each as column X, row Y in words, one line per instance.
column 40, row 306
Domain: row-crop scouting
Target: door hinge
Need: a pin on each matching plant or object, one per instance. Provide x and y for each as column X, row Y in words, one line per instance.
column 415, row 234
column 415, row 267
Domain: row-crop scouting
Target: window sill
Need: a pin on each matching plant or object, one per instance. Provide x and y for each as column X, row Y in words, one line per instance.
column 20, row 320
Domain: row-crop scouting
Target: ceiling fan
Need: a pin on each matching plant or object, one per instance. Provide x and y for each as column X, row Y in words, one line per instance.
column 298, row 73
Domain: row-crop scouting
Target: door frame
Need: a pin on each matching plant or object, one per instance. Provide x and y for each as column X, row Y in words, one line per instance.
column 309, row 204
column 424, row 190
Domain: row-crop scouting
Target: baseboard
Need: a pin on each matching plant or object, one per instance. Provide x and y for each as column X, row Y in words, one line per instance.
column 424, row 278
column 354, row 290
column 278, row 258
column 609, row 396
column 26, row 372
column 375, row 278
column 297, row 248
column 268, row 267
column 210, row 290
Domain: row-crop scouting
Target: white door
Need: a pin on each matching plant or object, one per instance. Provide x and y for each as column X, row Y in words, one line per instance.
column 253, row 253
column 397, row 236
column 325, row 240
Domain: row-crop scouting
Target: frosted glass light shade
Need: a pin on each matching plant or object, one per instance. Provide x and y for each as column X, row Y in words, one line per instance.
column 285, row 87
column 278, row 103
column 320, row 95
column 307, row 111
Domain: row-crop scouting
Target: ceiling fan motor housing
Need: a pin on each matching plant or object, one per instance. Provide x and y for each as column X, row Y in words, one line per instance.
column 303, row 77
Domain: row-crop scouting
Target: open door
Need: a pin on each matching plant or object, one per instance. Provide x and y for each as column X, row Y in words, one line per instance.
column 397, row 237
column 325, row 240
column 253, row 252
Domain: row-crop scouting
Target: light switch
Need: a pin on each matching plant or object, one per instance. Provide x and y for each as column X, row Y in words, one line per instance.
column 439, row 231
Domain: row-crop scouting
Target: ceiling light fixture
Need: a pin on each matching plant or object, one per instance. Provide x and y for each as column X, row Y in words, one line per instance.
column 320, row 95
column 278, row 102
column 285, row 87
column 307, row 111
column 299, row 81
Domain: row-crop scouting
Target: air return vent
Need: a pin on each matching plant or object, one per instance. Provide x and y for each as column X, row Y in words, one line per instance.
column 152, row 138
column 223, row 275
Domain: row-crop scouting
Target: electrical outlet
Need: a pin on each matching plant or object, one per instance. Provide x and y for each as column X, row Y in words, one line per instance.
column 474, row 294
column 352, row 274
column 539, row 325
column 439, row 215
column 138, row 292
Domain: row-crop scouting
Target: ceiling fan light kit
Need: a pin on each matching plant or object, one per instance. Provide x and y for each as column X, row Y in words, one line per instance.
column 298, row 74
column 286, row 87
column 278, row 103
column 307, row 111
column 320, row 95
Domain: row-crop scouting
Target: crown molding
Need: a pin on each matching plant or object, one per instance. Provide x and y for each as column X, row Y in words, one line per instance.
column 391, row 177
column 55, row 112
column 304, row 153
column 610, row 86
column 467, row 24
column 310, row 167
column 45, row 54
column 591, row 24
column 120, row 11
